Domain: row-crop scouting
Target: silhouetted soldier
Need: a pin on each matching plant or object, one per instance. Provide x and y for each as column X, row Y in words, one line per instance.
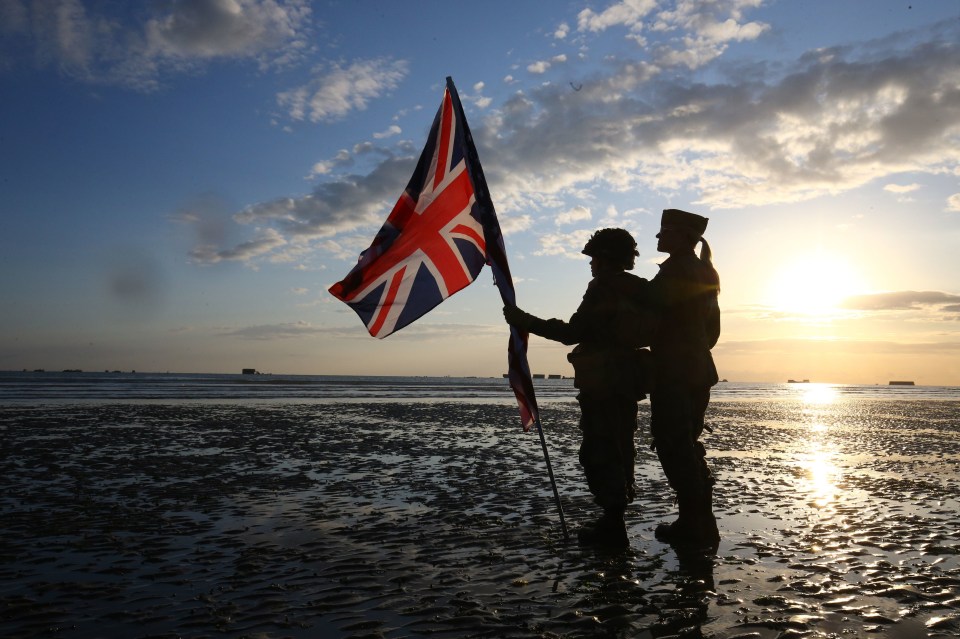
column 684, row 294
column 608, row 327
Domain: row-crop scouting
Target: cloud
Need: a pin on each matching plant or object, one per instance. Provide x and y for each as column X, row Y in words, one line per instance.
column 275, row 331
column 226, row 28
column 832, row 122
column 543, row 66
column 629, row 13
column 515, row 223
column 562, row 31
column 901, row 188
column 390, row 132
column 827, row 123
column 167, row 38
column 339, row 89
column 566, row 244
column 265, row 242
column 538, row 67
column 689, row 34
column 902, row 300
column 836, row 346
column 576, row 214
column 953, row 203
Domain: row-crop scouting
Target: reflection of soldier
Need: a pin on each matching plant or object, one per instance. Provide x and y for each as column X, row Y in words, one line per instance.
column 608, row 327
column 684, row 294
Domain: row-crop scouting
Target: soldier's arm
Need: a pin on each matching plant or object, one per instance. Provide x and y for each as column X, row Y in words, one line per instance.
column 570, row 332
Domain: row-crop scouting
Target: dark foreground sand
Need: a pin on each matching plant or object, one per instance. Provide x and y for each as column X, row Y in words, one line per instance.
column 397, row 520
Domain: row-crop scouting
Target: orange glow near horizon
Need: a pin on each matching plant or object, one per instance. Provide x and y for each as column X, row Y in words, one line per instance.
column 812, row 286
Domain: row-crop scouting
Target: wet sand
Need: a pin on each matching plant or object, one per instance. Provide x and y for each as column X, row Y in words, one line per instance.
column 400, row 520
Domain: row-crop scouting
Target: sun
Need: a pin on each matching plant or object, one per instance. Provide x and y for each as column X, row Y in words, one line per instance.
column 812, row 285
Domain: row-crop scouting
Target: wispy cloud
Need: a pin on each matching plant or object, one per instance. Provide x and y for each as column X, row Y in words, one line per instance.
column 265, row 242
column 837, row 347
column 275, row 331
column 904, row 300
column 901, row 188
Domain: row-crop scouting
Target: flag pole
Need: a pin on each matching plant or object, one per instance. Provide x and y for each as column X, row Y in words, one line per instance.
column 553, row 482
column 497, row 259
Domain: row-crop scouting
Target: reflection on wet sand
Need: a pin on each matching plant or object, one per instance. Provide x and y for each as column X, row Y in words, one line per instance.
column 393, row 520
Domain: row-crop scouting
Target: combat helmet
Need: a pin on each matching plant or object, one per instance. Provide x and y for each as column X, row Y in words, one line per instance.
column 616, row 245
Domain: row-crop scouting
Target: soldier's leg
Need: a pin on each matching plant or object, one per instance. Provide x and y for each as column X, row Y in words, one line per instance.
column 673, row 425
column 700, row 398
column 604, row 458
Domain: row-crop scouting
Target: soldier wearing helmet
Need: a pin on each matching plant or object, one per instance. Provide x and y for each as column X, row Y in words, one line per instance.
column 608, row 327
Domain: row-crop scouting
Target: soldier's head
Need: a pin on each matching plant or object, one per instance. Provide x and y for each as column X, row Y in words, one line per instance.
column 680, row 231
column 616, row 247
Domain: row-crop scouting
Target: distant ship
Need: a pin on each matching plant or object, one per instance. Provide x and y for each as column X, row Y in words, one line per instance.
column 798, row 381
column 901, row 383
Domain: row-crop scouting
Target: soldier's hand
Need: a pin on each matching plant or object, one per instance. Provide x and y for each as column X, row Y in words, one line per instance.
column 516, row 317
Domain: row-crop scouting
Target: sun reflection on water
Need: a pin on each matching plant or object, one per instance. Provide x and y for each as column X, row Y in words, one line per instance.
column 818, row 394
column 822, row 474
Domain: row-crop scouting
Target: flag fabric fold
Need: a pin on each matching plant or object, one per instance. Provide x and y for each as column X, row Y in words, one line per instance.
column 435, row 241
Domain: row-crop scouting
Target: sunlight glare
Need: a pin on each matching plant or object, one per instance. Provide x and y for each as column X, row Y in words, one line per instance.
column 819, row 394
column 823, row 474
column 813, row 285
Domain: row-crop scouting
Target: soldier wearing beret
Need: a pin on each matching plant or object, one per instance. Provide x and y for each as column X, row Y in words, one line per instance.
column 684, row 295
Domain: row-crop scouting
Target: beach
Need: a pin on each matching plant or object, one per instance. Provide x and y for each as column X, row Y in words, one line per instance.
column 839, row 518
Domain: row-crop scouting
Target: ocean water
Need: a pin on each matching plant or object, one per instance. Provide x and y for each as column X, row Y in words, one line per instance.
column 71, row 387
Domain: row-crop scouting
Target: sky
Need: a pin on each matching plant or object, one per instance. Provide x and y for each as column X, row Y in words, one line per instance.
column 181, row 182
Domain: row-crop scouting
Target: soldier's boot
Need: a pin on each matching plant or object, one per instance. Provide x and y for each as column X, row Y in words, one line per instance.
column 680, row 528
column 709, row 533
column 610, row 531
column 696, row 526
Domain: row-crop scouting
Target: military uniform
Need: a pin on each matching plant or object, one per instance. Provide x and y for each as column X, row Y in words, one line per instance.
column 607, row 327
column 684, row 293
column 601, row 327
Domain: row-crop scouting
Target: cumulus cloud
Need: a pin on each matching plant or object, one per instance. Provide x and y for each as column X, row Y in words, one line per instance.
column 576, row 214
column 566, row 244
column 689, row 34
column 172, row 37
column 538, row 67
column 829, row 122
column 629, row 13
column 542, row 66
column 339, row 89
column 390, row 132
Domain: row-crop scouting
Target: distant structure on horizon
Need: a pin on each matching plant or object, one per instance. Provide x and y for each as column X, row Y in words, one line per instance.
column 250, row 371
column 902, row 383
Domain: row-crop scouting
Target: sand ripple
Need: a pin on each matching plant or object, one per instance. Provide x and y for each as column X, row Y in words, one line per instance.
column 396, row 520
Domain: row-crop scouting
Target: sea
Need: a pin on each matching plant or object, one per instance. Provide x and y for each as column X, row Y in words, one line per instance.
column 45, row 387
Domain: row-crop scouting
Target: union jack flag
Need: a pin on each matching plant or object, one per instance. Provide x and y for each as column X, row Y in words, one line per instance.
column 437, row 238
